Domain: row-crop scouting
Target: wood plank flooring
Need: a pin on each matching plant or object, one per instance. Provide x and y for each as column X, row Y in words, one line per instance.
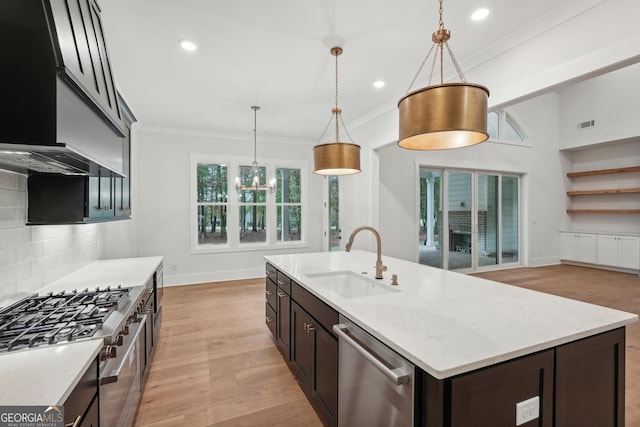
column 216, row 364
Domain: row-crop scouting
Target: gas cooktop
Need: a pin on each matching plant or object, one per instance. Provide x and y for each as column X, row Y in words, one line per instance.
column 54, row 318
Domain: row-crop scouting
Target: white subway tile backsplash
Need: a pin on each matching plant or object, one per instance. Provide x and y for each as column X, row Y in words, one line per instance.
column 33, row 257
column 25, row 253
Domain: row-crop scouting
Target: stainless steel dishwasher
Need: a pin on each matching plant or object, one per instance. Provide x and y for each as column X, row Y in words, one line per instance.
column 375, row 384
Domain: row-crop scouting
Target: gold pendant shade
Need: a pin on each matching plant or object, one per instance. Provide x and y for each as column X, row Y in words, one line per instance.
column 441, row 117
column 336, row 158
column 445, row 115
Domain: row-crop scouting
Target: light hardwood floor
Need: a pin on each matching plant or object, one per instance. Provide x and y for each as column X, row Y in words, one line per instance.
column 216, row 364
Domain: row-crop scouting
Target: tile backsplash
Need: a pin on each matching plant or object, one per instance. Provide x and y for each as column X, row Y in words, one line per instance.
column 34, row 256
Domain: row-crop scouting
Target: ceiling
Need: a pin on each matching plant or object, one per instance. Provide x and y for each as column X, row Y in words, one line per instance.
column 275, row 54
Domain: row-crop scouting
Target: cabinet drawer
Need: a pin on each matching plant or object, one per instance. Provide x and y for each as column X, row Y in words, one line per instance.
column 78, row 402
column 272, row 273
column 270, row 318
column 270, row 293
column 284, row 282
column 324, row 314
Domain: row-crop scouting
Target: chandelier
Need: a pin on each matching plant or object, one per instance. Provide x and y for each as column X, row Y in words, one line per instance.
column 336, row 158
column 255, row 181
column 443, row 116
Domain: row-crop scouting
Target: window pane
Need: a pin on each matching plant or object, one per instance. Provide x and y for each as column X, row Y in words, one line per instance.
column 430, row 230
column 253, row 221
column 289, row 223
column 509, row 219
column 493, row 124
column 248, row 173
column 512, row 134
column 252, row 196
column 459, row 217
column 212, row 182
column 487, row 225
column 288, row 185
column 212, row 225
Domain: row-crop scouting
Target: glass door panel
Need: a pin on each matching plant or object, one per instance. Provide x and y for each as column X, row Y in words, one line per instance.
column 430, row 236
column 487, row 220
column 510, row 226
column 334, row 213
column 459, row 219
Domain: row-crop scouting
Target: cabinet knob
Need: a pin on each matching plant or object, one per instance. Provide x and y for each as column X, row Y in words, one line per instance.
column 269, row 293
column 281, row 282
column 269, row 319
column 282, row 294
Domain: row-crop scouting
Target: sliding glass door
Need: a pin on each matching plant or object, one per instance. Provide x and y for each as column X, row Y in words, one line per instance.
column 479, row 228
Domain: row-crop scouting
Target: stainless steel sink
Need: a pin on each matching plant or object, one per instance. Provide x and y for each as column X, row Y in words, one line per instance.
column 348, row 284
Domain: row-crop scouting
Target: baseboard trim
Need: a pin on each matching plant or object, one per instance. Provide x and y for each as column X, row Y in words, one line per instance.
column 211, row 276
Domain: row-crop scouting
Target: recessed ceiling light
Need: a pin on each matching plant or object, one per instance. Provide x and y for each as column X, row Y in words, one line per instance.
column 480, row 14
column 188, row 45
column 378, row 84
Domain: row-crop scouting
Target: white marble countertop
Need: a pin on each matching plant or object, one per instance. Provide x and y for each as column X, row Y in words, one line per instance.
column 47, row 375
column 449, row 323
column 128, row 272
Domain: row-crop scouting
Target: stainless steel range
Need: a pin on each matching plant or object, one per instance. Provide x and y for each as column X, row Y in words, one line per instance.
column 61, row 317
column 116, row 315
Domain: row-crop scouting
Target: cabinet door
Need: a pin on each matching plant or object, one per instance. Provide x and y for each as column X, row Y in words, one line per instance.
column 324, row 384
column 488, row 397
column 607, row 250
column 629, row 252
column 301, row 345
column 587, row 248
column 284, row 322
column 100, row 197
column 92, row 417
column 569, row 247
column 590, row 381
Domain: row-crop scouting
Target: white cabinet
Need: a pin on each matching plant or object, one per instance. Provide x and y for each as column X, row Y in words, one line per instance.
column 579, row 247
column 619, row 251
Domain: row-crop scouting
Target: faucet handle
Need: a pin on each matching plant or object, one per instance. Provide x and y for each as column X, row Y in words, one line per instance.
column 394, row 279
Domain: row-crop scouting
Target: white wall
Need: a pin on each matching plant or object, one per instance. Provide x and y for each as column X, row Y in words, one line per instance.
column 611, row 100
column 160, row 222
column 34, row 256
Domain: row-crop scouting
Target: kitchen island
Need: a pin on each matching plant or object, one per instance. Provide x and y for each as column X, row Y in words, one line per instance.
column 476, row 344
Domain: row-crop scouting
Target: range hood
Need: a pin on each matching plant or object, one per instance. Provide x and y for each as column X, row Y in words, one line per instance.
column 51, row 120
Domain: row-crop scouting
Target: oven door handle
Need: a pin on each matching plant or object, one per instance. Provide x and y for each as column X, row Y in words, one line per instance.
column 114, row 377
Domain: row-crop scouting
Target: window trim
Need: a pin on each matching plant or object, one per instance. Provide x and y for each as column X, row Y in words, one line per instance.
column 233, row 243
column 505, row 118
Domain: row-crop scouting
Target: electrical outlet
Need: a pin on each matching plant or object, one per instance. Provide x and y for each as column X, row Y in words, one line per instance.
column 527, row 410
column 174, row 267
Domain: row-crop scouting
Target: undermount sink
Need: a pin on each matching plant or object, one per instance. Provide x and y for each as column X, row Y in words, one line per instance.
column 348, row 284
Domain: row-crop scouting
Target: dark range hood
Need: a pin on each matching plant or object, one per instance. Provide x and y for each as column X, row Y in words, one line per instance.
column 59, row 110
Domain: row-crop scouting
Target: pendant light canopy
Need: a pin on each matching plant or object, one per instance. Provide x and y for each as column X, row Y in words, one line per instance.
column 443, row 116
column 336, row 158
column 255, row 182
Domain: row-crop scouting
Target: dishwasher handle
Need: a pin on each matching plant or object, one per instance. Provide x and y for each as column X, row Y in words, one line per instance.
column 397, row 375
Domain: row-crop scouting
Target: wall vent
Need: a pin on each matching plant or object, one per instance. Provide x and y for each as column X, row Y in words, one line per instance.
column 586, row 125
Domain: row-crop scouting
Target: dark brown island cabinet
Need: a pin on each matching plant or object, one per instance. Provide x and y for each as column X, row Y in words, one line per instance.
column 301, row 326
column 579, row 384
column 81, row 407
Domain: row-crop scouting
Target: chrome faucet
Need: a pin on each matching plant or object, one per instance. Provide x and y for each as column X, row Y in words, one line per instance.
column 379, row 267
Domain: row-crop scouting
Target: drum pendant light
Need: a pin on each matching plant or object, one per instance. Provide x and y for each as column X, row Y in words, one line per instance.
column 443, row 116
column 336, row 158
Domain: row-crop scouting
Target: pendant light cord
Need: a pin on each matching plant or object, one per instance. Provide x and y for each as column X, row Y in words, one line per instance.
column 255, row 144
column 337, row 110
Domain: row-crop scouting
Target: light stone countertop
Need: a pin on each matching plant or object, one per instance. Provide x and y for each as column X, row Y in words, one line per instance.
column 47, row 375
column 449, row 323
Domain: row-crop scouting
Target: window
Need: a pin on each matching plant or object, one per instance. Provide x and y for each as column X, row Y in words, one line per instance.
column 502, row 127
column 225, row 219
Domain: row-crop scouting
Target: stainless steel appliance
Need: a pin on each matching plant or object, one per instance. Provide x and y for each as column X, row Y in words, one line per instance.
column 375, row 384
column 111, row 314
column 120, row 384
